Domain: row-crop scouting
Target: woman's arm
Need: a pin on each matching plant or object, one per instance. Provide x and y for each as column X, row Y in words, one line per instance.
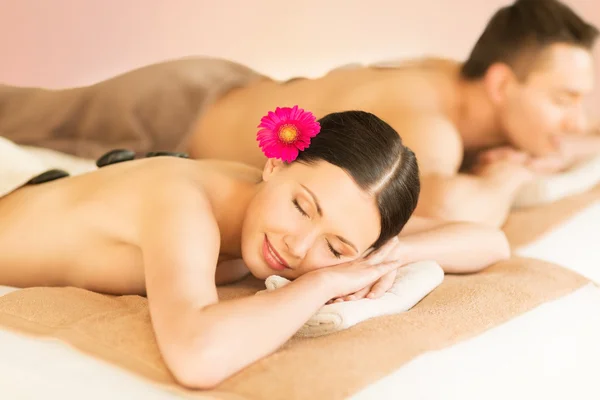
column 204, row 341
column 459, row 247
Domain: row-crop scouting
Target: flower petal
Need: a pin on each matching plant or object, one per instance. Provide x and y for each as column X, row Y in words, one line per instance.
column 273, row 145
column 289, row 153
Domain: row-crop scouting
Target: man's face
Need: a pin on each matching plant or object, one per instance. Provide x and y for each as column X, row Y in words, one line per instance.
column 549, row 103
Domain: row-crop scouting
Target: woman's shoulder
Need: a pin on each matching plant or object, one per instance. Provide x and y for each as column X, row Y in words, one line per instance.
column 147, row 185
column 204, row 175
column 179, row 180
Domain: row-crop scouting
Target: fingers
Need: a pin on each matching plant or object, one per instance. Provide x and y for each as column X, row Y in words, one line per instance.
column 377, row 289
column 491, row 156
column 382, row 285
column 503, row 154
column 517, row 157
column 389, row 266
column 358, row 295
column 548, row 164
column 354, row 280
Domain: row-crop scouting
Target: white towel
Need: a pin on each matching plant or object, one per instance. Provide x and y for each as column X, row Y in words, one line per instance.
column 578, row 179
column 18, row 164
column 413, row 282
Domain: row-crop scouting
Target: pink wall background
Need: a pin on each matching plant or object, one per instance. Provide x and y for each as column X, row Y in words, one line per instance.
column 61, row 43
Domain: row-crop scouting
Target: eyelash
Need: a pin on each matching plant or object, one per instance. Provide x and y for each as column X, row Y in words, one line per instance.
column 299, row 208
column 562, row 101
column 335, row 253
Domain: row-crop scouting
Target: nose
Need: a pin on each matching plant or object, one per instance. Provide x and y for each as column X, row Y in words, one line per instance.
column 298, row 243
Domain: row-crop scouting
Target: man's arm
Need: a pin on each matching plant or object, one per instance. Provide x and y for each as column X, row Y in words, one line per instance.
column 485, row 199
column 459, row 247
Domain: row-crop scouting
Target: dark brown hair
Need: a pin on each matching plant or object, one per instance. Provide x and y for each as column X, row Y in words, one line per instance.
column 373, row 154
column 526, row 28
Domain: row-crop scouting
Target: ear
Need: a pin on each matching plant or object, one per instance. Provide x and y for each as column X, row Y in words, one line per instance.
column 271, row 167
column 498, row 81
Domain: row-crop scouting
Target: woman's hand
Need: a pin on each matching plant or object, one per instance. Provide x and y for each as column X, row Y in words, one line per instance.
column 373, row 291
column 371, row 276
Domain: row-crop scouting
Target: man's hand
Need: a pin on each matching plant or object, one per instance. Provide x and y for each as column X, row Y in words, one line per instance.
column 508, row 158
column 503, row 162
column 551, row 164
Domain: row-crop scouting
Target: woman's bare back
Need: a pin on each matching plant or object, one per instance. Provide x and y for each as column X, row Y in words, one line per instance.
column 83, row 231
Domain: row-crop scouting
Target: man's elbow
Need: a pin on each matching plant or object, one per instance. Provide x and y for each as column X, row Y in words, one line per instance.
column 456, row 200
column 496, row 251
column 447, row 201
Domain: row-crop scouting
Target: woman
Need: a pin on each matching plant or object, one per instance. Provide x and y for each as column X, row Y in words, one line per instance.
column 173, row 229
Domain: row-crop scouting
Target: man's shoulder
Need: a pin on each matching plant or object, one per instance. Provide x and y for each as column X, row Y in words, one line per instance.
column 433, row 137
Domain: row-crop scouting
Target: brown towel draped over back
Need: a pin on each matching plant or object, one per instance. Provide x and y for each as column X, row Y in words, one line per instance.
column 148, row 109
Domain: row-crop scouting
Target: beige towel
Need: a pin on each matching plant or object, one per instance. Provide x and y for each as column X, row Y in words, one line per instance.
column 527, row 225
column 413, row 282
column 330, row 367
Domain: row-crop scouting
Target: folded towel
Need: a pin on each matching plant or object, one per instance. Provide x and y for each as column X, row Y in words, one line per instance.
column 578, row 179
column 413, row 282
column 18, row 164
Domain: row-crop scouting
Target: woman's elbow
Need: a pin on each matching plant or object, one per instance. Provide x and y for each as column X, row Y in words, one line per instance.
column 193, row 379
column 198, row 370
column 197, row 361
column 504, row 251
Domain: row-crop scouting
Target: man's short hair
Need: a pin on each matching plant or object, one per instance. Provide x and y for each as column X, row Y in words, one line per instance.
column 516, row 34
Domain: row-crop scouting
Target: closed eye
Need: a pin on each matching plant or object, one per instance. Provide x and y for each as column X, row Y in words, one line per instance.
column 337, row 254
column 564, row 101
column 297, row 205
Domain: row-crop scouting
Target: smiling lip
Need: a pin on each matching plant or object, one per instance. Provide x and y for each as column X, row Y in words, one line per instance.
column 272, row 258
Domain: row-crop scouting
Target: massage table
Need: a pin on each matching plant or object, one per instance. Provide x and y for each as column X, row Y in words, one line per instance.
column 527, row 327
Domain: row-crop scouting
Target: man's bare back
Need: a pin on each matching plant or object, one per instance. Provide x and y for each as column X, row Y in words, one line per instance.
column 84, row 231
column 425, row 86
column 514, row 128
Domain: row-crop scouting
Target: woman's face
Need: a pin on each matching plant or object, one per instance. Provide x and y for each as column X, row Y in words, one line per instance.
column 306, row 217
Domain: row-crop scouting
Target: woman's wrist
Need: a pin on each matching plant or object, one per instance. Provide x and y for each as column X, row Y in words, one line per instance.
column 317, row 282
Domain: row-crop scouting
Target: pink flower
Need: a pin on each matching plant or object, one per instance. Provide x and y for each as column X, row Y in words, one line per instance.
column 286, row 131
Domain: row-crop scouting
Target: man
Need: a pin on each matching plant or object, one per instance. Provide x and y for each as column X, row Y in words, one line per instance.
column 516, row 103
